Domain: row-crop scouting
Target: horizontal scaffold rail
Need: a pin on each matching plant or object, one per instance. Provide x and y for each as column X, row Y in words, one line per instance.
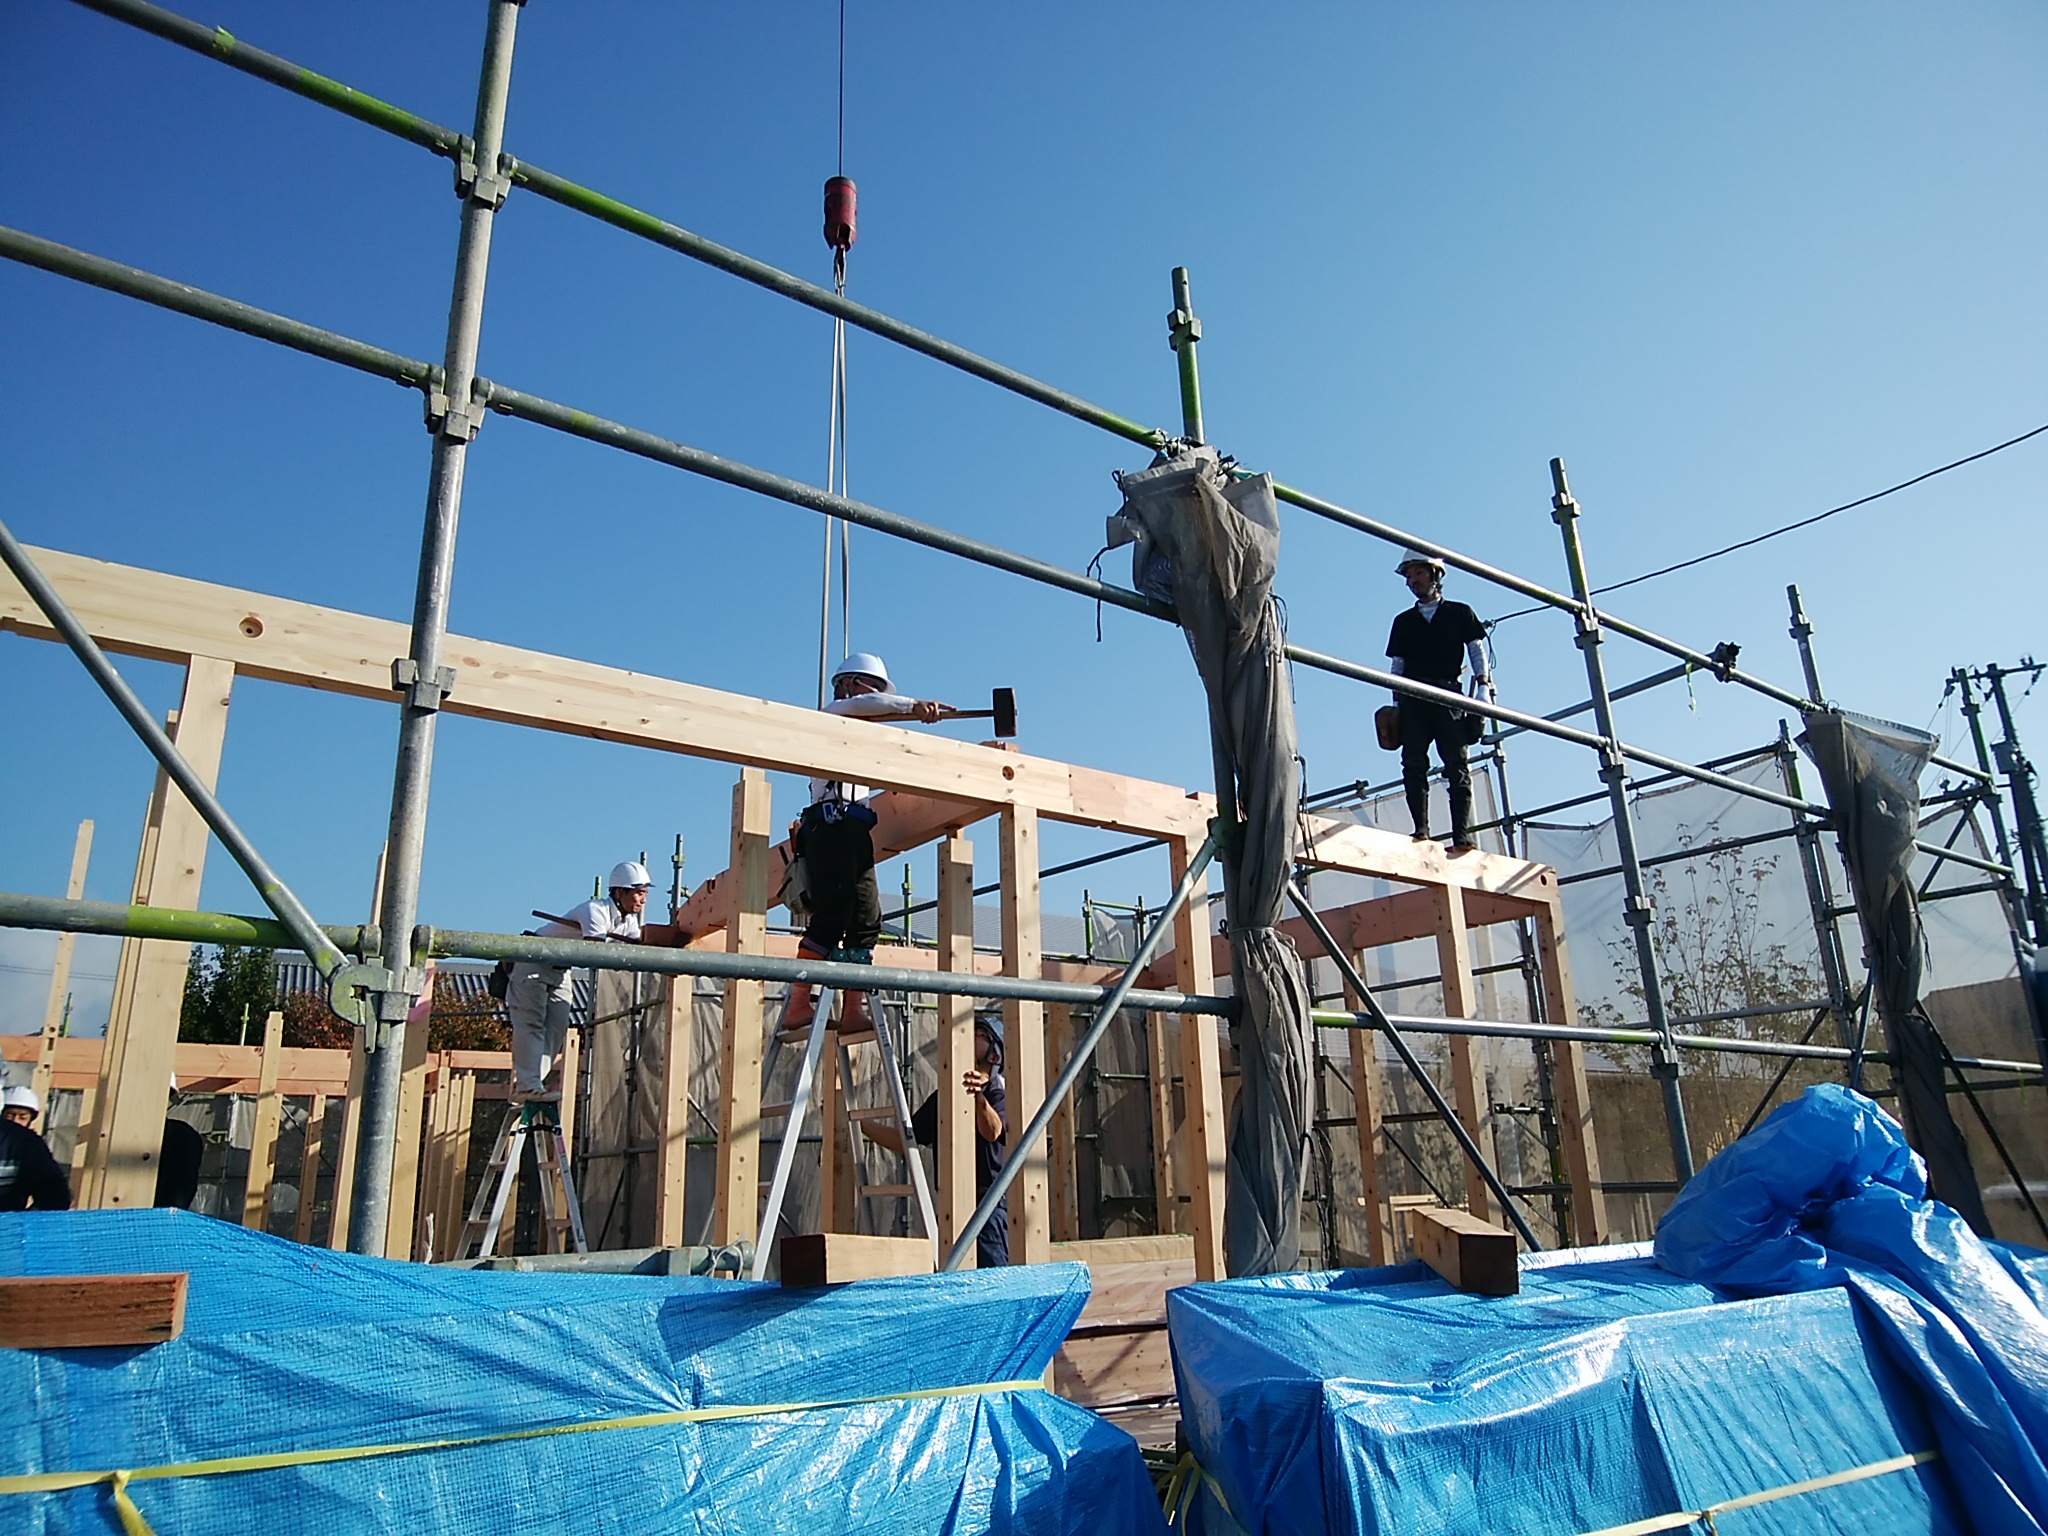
column 183, row 298
column 218, row 44
column 56, row 914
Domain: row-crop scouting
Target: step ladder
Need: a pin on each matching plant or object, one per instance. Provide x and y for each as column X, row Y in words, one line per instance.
column 792, row 1113
column 561, row 1216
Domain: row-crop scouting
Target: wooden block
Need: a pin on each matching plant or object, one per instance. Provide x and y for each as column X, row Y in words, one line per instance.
column 84, row 1311
column 1146, row 1248
column 1119, row 1367
column 833, row 1258
column 1132, row 1295
column 1469, row 1253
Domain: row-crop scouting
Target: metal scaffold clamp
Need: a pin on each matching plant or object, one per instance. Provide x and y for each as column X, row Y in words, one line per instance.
column 447, row 419
column 473, row 184
column 421, row 692
column 1182, row 327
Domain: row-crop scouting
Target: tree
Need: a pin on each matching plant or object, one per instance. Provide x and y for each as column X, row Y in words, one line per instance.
column 228, row 994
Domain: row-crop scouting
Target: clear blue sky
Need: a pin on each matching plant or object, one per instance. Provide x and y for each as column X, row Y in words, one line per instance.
column 1736, row 263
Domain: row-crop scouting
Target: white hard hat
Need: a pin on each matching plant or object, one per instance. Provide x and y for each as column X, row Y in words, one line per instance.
column 864, row 664
column 1417, row 557
column 23, row 1098
column 629, row 876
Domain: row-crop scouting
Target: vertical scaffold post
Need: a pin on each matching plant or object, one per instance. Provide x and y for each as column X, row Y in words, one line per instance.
column 1974, row 713
column 1183, row 331
column 1820, row 895
column 452, row 417
column 2019, row 779
column 1614, row 769
column 1802, row 636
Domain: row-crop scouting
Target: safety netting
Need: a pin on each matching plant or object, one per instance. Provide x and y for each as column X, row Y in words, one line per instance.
column 1895, row 1384
column 902, row 1405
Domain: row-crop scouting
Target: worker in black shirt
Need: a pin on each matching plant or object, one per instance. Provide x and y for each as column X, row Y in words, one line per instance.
column 1430, row 643
column 29, row 1175
column 984, row 1084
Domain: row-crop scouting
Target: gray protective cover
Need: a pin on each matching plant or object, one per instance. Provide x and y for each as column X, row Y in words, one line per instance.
column 1871, row 770
column 1221, row 539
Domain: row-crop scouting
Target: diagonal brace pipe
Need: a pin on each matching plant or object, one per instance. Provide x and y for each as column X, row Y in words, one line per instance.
column 963, row 1245
column 342, row 975
column 1435, row 1094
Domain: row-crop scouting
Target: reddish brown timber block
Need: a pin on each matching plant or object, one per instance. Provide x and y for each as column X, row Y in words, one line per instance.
column 1472, row 1254
column 83, row 1311
column 833, row 1258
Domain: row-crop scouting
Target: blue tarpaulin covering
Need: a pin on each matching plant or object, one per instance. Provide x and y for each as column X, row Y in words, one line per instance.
column 288, row 1348
column 1613, row 1389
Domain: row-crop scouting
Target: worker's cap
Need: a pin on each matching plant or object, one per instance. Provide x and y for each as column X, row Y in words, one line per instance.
column 1417, row 557
column 22, row 1098
column 629, row 877
column 864, row 664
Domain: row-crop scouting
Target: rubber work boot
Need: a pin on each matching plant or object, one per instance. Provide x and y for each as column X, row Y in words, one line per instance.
column 854, row 1017
column 801, row 1009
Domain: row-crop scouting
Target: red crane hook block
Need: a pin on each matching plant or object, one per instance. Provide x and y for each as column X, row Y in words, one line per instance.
column 842, row 205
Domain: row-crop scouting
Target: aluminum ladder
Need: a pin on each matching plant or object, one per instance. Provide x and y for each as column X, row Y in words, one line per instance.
column 561, row 1216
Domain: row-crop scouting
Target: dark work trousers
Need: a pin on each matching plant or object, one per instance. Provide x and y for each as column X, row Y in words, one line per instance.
column 1421, row 724
column 838, row 847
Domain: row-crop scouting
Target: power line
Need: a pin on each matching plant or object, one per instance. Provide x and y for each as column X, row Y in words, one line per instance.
column 1804, row 522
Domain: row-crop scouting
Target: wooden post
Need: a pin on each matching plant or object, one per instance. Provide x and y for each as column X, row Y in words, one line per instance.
column 60, row 979
column 838, row 1172
column 461, row 1086
column 1024, row 1034
column 572, row 1056
column 1201, row 1071
column 134, row 1111
column 426, row 1221
column 1568, row 1082
column 263, row 1136
column 1468, row 1075
column 309, row 1168
column 1066, row 1173
column 345, row 1155
column 739, row 1119
column 672, row 1157
column 1160, row 1086
column 1369, row 1096
column 405, row 1153
column 955, row 1152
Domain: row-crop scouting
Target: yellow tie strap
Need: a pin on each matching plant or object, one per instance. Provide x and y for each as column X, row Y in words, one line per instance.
column 133, row 1523
column 1769, row 1496
column 1188, row 1475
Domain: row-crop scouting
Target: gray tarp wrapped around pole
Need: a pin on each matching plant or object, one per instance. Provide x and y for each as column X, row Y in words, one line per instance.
column 1215, row 543
column 1871, row 770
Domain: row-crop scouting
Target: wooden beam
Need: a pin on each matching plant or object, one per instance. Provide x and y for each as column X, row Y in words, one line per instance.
column 833, row 1258
column 60, row 976
column 91, row 1311
column 1468, row 1073
column 1360, row 850
column 263, row 1135
column 137, row 1097
column 1024, row 1034
column 1568, row 1083
column 405, row 1151
column 1469, row 1253
column 455, row 1204
column 739, row 1122
column 955, row 1195
column 147, row 613
column 675, row 1019
column 309, row 1168
column 1201, row 1071
column 1369, row 1097
column 345, row 1156
column 1159, row 1091
column 114, row 1042
column 1066, row 1173
column 836, row 1176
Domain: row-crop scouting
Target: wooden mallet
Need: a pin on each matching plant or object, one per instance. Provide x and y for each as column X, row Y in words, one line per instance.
column 1003, row 712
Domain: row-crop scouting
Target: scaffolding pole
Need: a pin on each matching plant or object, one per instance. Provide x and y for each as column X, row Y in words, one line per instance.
column 453, row 419
column 1637, row 909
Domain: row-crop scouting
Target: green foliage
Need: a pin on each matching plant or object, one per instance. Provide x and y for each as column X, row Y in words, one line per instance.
column 219, row 986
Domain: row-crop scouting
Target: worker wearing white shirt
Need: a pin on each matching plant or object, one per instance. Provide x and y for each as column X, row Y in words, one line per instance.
column 835, row 839
column 538, row 997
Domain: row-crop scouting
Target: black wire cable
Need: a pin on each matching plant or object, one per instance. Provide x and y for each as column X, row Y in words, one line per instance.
column 1804, row 522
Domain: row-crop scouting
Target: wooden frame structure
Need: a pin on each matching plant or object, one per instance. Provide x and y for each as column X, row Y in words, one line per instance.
column 935, row 789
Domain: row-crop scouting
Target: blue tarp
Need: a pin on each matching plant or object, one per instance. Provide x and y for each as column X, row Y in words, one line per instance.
column 1613, row 1389
column 289, row 1348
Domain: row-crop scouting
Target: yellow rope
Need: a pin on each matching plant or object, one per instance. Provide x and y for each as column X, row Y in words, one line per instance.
column 1811, row 1485
column 134, row 1524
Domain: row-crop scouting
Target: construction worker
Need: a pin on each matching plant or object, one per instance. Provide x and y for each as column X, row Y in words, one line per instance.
column 835, row 839
column 30, row 1178
column 1431, row 643
column 538, row 997
column 983, row 1080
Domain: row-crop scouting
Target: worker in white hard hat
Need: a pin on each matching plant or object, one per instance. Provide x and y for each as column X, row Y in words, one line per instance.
column 30, row 1178
column 1431, row 642
column 538, row 997
column 835, row 839
column 21, row 1106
